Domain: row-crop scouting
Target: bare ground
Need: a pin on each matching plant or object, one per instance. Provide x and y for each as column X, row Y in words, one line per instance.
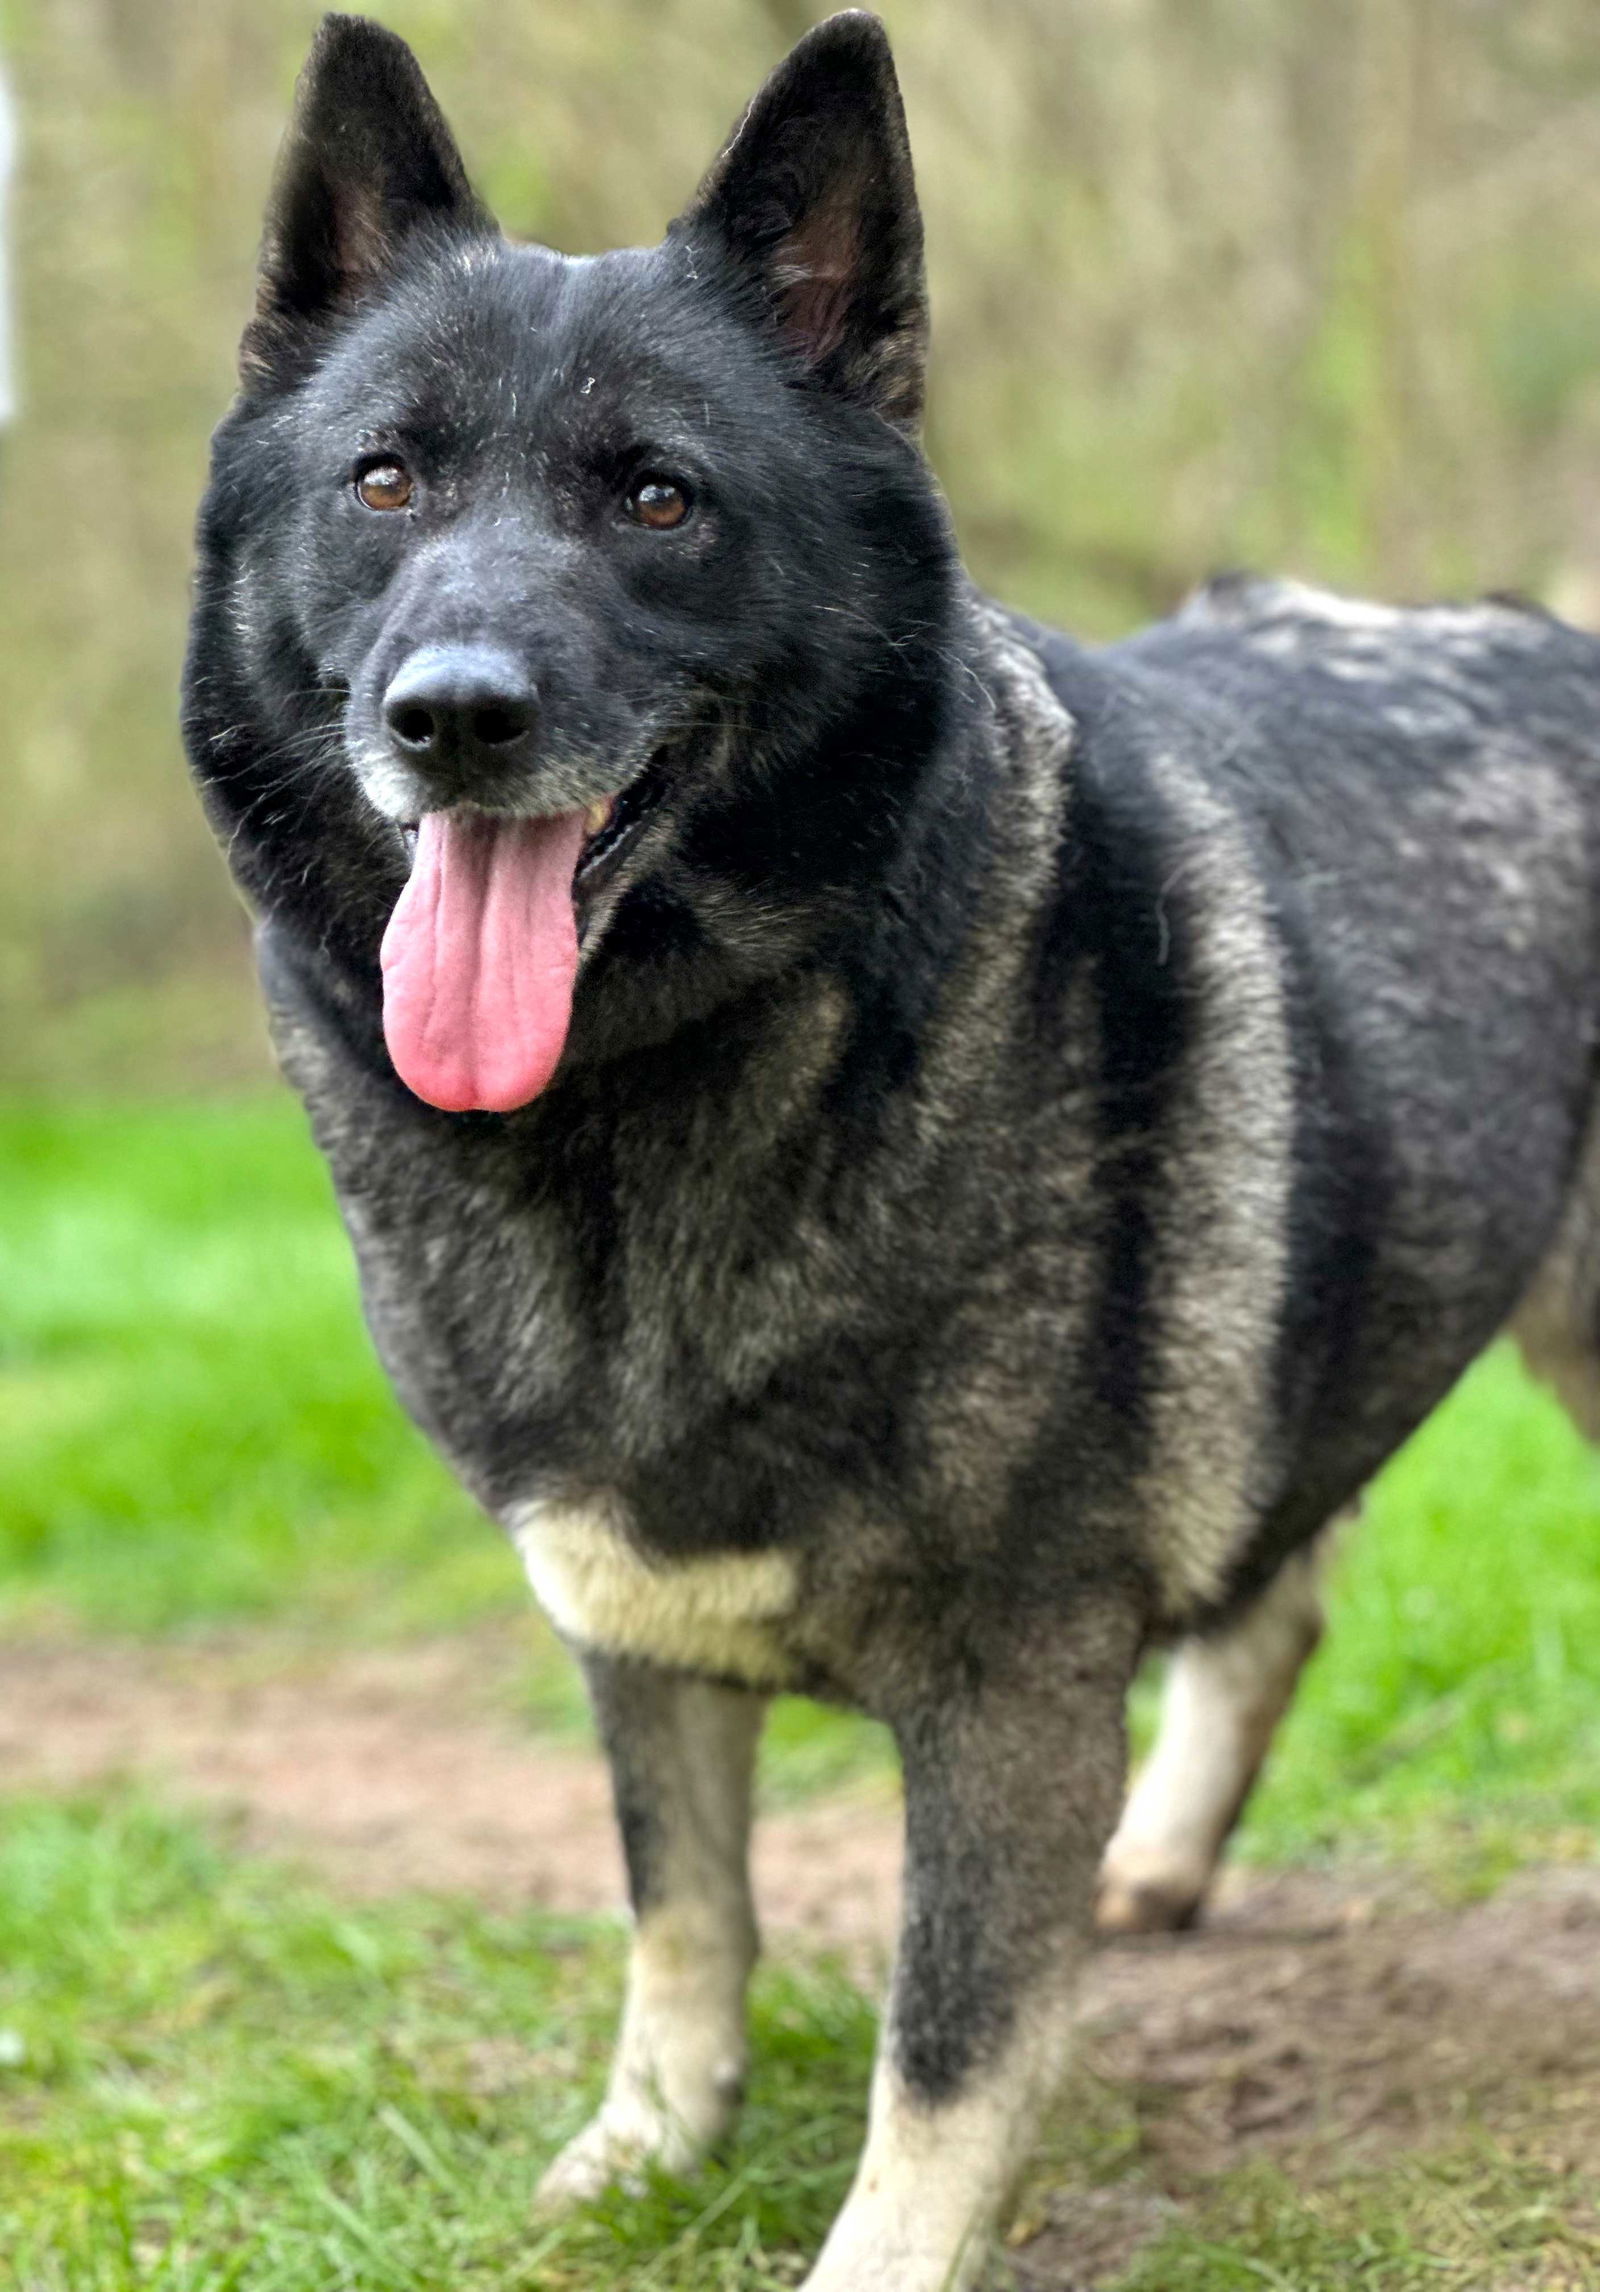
column 397, row 1769
column 1320, row 2019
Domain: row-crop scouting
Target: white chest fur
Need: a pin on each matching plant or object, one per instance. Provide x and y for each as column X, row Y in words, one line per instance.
column 717, row 1615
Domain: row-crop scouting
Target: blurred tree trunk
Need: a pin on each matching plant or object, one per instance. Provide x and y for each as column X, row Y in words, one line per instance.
column 1394, row 60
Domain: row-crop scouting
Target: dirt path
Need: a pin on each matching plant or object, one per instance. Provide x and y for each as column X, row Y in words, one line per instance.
column 394, row 1770
column 1321, row 2019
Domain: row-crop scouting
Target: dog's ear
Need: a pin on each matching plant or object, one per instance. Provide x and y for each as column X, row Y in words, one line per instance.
column 813, row 199
column 368, row 161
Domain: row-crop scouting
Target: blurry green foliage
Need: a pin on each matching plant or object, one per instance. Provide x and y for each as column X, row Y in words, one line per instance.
column 1215, row 281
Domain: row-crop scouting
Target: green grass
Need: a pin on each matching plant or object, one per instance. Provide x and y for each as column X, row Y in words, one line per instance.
column 215, row 2077
column 1472, row 2218
column 194, row 1427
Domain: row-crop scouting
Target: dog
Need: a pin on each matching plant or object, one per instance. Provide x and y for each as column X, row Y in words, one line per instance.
column 903, row 1158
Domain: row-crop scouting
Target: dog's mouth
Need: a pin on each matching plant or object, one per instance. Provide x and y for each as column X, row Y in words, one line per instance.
column 481, row 954
column 613, row 825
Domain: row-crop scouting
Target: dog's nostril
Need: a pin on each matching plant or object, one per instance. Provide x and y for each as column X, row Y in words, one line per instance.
column 497, row 726
column 415, row 727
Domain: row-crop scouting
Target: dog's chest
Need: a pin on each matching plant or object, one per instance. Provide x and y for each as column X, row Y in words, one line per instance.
column 724, row 1614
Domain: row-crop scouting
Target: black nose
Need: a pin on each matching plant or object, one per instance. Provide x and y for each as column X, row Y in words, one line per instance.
column 461, row 712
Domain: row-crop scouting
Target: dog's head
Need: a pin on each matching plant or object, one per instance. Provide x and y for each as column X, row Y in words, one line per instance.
column 600, row 591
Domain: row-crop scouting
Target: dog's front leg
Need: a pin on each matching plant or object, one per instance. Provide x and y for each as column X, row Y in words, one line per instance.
column 682, row 1753
column 1013, row 1778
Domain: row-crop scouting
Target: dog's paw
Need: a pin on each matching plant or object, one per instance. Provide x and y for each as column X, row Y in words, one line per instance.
column 616, row 2149
column 590, row 2163
column 902, row 2261
column 973, row 2274
column 1148, row 1901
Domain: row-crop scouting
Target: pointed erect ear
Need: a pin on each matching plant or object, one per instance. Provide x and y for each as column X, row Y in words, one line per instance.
column 367, row 162
column 814, row 201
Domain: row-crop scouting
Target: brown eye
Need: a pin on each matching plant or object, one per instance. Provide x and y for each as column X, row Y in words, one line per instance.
column 384, row 485
column 658, row 502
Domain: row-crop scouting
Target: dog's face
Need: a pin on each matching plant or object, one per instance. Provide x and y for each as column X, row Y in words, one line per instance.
column 596, row 579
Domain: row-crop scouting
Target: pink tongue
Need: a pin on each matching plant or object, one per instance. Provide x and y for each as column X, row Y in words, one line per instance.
column 479, row 959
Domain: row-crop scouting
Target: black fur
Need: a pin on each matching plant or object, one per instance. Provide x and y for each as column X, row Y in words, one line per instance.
column 1038, row 1127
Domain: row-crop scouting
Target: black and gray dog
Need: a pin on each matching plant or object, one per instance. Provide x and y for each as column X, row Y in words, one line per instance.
column 902, row 1158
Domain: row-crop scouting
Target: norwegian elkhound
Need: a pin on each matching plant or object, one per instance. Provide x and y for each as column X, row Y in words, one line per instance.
column 902, row 1158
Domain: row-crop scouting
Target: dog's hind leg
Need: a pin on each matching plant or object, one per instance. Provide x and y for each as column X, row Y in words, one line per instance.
column 682, row 1755
column 1557, row 1326
column 1225, row 1693
column 1014, row 1762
